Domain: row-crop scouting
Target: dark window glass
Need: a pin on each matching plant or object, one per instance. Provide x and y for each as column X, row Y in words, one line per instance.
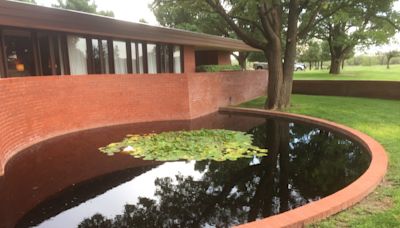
column 134, row 58
column 56, row 48
column 19, row 53
column 59, row 54
column 45, row 59
column 2, row 67
column 165, row 58
column 105, row 57
column 96, row 57
column 50, row 55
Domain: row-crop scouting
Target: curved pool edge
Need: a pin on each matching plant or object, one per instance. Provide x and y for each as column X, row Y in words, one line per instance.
column 337, row 201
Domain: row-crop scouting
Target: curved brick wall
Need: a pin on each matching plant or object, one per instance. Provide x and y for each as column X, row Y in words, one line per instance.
column 36, row 108
column 369, row 89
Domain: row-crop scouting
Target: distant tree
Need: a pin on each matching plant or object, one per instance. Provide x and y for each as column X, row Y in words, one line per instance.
column 350, row 54
column 325, row 53
column 363, row 22
column 83, row 6
column 389, row 56
column 274, row 27
column 142, row 20
column 312, row 54
column 257, row 57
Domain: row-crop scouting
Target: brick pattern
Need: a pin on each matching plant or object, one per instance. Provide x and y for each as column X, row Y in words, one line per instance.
column 36, row 108
column 208, row 92
column 370, row 89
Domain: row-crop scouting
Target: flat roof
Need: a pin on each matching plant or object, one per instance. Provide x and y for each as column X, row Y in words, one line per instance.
column 24, row 15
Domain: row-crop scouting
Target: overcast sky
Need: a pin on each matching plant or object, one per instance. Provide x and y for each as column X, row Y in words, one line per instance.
column 133, row 10
column 130, row 10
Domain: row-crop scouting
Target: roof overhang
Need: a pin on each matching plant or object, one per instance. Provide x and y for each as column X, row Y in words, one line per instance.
column 17, row 14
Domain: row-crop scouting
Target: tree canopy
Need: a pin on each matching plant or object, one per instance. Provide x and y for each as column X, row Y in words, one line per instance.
column 362, row 22
column 274, row 27
column 82, row 5
column 196, row 16
column 312, row 54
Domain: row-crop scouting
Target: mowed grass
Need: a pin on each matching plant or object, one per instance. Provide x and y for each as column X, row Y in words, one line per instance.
column 377, row 118
column 377, row 72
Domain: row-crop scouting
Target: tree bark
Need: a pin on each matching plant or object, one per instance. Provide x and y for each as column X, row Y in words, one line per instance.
column 388, row 63
column 290, row 54
column 275, row 76
column 242, row 59
column 335, row 65
column 270, row 25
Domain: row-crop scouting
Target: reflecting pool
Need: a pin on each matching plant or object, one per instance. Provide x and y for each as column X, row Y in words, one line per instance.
column 67, row 182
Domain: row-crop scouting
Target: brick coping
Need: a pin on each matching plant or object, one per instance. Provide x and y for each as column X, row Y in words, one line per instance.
column 335, row 202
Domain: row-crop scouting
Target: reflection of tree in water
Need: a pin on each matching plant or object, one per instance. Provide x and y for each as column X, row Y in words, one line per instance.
column 312, row 165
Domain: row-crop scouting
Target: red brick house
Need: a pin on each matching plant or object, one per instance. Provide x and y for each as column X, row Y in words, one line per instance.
column 132, row 72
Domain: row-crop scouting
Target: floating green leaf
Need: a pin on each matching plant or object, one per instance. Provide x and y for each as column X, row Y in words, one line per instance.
column 214, row 144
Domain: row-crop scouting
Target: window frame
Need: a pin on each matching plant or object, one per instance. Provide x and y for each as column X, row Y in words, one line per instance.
column 62, row 45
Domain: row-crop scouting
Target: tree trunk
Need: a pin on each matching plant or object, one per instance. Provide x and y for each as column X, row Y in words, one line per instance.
column 290, row 54
column 322, row 67
column 242, row 59
column 275, row 76
column 335, row 65
column 310, row 65
column 388, row 63
column 342, row 64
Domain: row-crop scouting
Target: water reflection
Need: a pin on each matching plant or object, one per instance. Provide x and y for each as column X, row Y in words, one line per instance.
column 304, row 163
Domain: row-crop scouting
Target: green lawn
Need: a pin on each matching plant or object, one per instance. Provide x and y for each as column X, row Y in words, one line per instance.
column 377, row 72
column 377, row 118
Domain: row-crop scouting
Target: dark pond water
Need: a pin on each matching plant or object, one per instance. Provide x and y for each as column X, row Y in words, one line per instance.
column 66, row 182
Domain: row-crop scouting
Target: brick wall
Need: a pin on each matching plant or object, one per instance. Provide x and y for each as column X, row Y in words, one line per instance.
column 369, row 89
column 208, row 92
column 189, row 65
column 36, row 108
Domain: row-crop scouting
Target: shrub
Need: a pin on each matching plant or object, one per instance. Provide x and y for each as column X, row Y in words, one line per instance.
column 217, row 68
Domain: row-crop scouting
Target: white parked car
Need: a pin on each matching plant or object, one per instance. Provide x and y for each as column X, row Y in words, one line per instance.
column 264, row 66
column 299, row 66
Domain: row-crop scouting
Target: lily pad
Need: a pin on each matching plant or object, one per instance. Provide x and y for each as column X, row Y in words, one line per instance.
column 204, row 144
